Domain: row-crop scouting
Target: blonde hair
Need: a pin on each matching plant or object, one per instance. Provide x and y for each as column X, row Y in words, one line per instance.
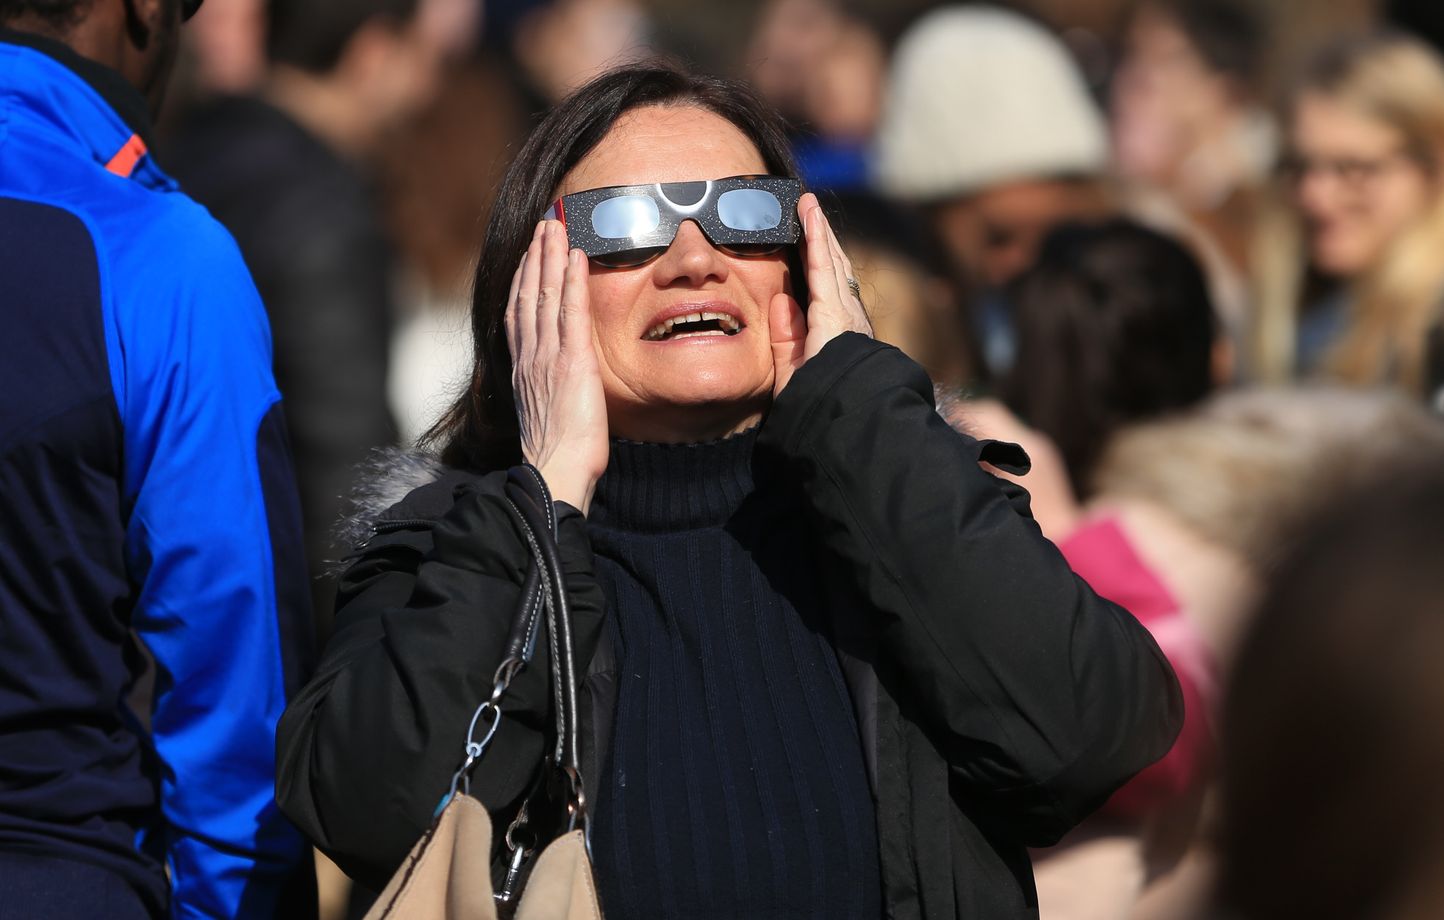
column 1245, row 467
column 1399, row 81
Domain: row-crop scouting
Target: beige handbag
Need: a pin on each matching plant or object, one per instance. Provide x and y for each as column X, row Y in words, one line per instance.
column 447, row 874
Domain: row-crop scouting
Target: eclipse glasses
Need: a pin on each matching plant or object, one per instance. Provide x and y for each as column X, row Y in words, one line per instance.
column 627, row 225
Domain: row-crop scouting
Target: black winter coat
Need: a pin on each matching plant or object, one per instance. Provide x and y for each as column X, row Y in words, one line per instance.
column 1000, row 700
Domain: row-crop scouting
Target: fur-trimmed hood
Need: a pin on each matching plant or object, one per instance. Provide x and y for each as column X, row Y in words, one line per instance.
column 385, row 477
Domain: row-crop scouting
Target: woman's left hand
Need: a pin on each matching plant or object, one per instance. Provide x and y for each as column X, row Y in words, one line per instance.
column 833, row 309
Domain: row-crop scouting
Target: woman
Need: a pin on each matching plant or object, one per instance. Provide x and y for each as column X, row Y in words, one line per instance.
column 1366, row 139
column 1186, row 117
column 831, row 666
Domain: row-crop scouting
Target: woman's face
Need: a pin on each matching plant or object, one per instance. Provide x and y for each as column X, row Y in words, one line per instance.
column 692, row 386
column 1355, row 184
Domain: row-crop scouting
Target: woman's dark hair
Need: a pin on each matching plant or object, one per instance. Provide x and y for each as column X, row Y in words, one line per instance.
column 1114, row 325
column 479, row 431
column 313, row 35
column 1331, row 803
column 1230, row 35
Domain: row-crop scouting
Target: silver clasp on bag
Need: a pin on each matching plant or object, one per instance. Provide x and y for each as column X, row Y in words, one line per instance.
column 474, row 749
column 519, row 853
column 513, row 874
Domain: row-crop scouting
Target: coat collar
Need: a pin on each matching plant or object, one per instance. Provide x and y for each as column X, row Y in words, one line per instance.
column 88, row 102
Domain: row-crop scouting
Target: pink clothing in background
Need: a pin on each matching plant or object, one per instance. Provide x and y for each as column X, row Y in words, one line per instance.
column 1101, row 552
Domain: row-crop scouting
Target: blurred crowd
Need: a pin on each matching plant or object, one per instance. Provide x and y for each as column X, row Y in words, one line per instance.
column 1189, row 253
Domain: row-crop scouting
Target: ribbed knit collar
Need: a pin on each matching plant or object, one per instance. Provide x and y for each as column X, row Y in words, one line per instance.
column 671, row 487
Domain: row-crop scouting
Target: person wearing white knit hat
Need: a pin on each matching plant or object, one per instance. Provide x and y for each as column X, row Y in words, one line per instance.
column 989, row 123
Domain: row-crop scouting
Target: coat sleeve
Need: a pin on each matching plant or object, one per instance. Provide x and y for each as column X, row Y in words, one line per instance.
column 213, row 542
column 367, row 749
column 1042, row 696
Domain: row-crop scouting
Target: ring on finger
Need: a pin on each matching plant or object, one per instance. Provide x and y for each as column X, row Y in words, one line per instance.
column 856, row 288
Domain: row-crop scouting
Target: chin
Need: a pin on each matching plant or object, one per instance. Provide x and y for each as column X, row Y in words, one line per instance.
column 1339, row 260
column 698, row 411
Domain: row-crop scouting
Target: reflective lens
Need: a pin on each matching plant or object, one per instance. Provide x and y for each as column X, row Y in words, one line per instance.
column 625, row 216
column 749, row 209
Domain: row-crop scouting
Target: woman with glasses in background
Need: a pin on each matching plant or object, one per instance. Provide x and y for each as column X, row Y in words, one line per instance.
column 1366, row 144
column 828, row 666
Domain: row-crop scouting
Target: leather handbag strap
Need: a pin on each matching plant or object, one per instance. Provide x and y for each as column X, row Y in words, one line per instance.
column 532, row 502
column 543, row 594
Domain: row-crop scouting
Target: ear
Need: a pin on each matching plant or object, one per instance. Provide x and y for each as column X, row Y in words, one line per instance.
column 145, row 20
column 143, row 44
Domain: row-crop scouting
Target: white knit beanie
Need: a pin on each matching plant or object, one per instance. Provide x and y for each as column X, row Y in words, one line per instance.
column 979, row 95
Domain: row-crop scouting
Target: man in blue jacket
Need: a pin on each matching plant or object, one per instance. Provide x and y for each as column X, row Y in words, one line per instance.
column 149, row 507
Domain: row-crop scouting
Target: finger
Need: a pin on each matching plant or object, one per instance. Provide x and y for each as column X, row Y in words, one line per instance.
column 834, row 283
column 854, row 313
column 787, row 329
column 575, row 322
column 509, row 317
column 526, row 298
column 821, row 271
column 839, row 256
column 840, row 261
column 549, row 293
column 786, row 323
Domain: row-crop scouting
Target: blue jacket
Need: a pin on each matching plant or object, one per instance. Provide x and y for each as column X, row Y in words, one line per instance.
column 149, row 511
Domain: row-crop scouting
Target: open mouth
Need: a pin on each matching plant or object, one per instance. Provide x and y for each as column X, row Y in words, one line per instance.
column 692, row 325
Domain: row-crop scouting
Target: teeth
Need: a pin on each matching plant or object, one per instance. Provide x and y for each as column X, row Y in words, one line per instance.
column 730, row 325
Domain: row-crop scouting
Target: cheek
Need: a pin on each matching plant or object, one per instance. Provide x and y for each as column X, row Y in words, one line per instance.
column 1398, row 204
column 610, row 296
column 1356, row 235
column 764, row 280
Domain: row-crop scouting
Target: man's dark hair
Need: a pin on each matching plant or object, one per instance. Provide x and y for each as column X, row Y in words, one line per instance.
column 480, row 430
column 1114, row 325
column 313, row 34
column 1228, row 34
column 59, row 15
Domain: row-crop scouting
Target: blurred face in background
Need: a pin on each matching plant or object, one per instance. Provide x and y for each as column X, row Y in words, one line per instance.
column 1355, row 183
column 994, row 233
column 565, row 43
column 410, row 62
column 1166, row 100
column 820, row 66
column 227, row 45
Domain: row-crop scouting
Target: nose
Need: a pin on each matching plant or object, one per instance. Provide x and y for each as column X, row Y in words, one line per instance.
column 1316, row 192
column 691, row 259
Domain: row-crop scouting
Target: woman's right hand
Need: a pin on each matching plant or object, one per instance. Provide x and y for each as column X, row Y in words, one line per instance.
column 560, row 408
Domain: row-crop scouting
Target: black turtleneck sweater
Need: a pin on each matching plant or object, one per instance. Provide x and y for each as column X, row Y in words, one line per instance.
column 736, row 785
